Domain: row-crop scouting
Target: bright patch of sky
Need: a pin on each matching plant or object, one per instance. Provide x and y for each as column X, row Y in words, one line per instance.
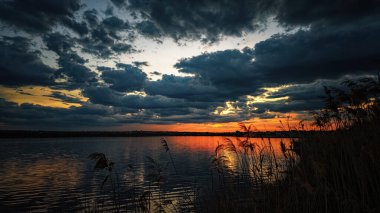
column 163, row 54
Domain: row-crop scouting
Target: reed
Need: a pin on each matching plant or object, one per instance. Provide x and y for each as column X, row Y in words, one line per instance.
column 336, row 169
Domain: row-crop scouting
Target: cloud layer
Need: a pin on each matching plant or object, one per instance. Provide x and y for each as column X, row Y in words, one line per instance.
column 58, row 44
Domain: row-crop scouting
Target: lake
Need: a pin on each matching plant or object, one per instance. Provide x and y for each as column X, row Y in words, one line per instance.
column 55, row 174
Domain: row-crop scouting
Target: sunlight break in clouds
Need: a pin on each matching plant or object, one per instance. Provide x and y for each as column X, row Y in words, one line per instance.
column 129, row 65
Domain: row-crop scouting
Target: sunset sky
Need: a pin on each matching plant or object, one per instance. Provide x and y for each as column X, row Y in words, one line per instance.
column 174, row 65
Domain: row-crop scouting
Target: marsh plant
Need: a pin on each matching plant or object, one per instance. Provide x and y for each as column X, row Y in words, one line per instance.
column 335, row 168
column 154, row 198
column 248, row 160
column 245, row 170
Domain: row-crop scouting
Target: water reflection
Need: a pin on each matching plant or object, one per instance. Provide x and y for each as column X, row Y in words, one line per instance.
column 42, row 183
column 56, row 175
column 254, row 159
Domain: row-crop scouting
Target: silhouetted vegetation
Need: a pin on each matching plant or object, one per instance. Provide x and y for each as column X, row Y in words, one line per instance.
column 335, row 169
column 154, row 198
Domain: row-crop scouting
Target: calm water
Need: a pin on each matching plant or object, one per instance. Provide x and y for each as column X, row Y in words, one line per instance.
column 39, row 175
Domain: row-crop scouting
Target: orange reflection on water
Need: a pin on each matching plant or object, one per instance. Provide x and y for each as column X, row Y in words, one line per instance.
column 267, row 149
column 209, row 143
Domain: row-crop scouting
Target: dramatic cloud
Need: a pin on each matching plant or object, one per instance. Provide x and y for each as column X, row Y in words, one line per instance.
column 218, row 76
column 306, row 12
column 30, row 116
column 147, row 28
column 140, row 64
column 185, row 87
column 126, row 78
column 320, row 52
column 72, row 68
column 227, row 69
column 105, row 51
column 40, row 16
column 207, row 20
column 119, row 3
column 110, row 97
column 104, row 39
column 301, row 57
column 21, row 66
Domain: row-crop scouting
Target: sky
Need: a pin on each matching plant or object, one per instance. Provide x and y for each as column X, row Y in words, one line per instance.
column 178, row 65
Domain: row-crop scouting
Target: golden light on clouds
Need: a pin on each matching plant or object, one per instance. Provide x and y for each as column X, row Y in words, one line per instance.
column 227, row 110
column 264, row 97
column 43, row 96
column 230, row 108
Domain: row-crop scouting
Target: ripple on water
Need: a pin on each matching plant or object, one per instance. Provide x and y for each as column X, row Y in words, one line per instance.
column 39, row 175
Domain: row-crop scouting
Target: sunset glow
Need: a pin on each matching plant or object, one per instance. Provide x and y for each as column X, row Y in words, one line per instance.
column 42, row 96
column 116, row 65
column 176, row 106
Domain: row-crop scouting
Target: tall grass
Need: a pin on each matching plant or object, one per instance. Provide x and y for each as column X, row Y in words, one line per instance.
column 339, row 171
column 130, row 198
column 336, row 169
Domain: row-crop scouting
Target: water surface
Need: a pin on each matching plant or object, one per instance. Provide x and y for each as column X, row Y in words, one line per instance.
column 55, row 174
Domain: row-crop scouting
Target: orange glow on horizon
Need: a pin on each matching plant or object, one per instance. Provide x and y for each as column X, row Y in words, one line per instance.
column 43, row 96
column 272, row 124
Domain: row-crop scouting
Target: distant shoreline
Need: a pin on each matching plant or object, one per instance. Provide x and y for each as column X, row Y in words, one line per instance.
column 67, row 134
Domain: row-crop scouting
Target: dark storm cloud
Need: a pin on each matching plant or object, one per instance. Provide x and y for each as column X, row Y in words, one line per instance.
column 204, row 19
column 140, row 64
column 78, row 74
column 148, row 29
column 306, row 12
column 210, row 19
column 338, row 38
column 119, row 3
column 72, row 66
column 183, row 87
column 59, row 43
column 114, row 23
column 304, row 56
column 303, row 97
column 227, row 69
column 179, row 111
column 78, row 27
column 321, row 52
column 126, row 78
column 301, row 57
column 110, row 97
column 222, row 75
column 104, row 39
column 307, row 92
column 21, row 66
column 30, row 116
column 91, row 16
column 39, row 16
column 287, row 106
column 122, row 48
